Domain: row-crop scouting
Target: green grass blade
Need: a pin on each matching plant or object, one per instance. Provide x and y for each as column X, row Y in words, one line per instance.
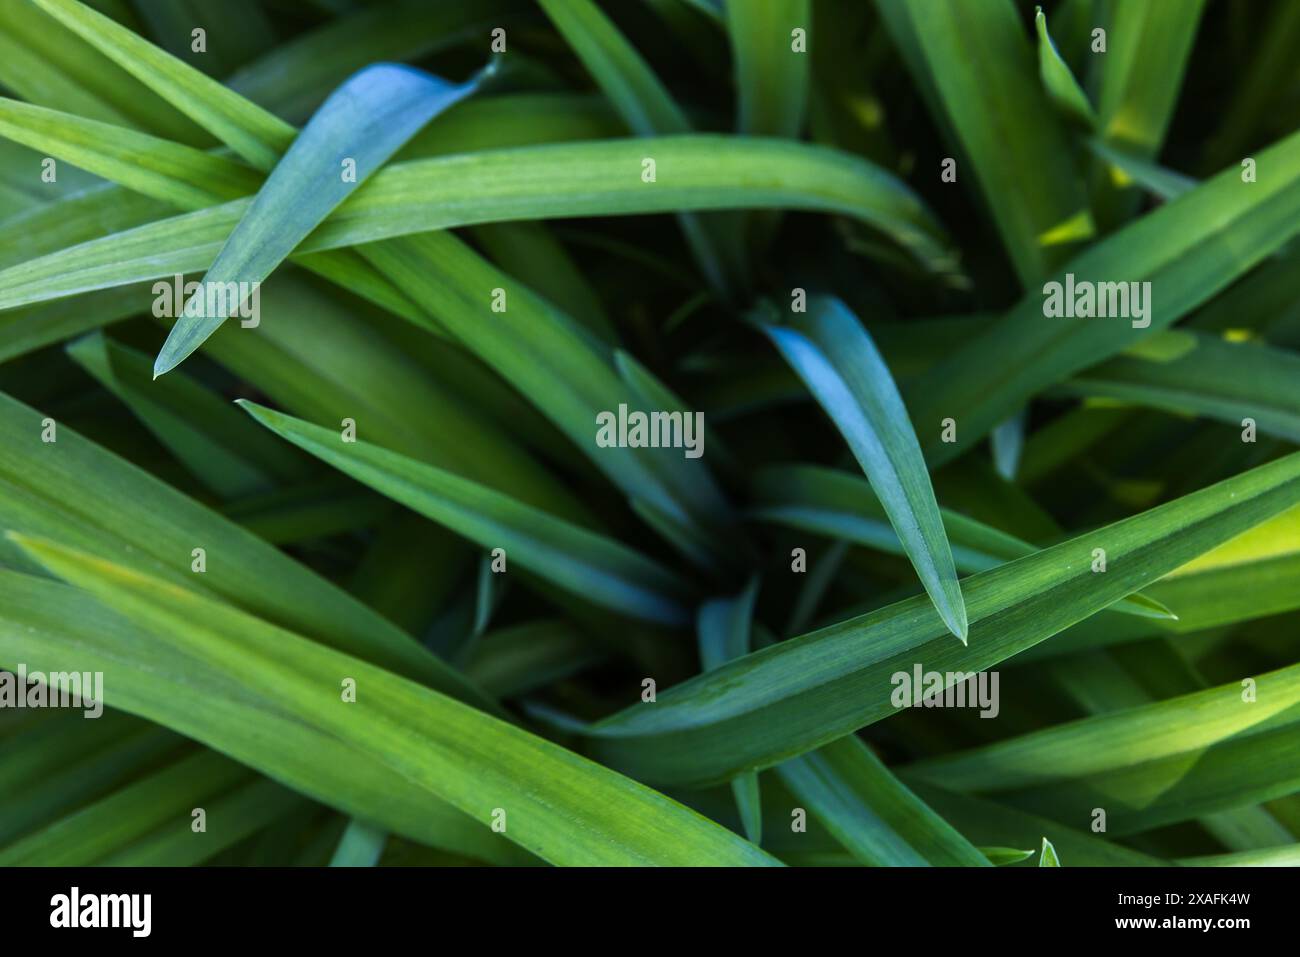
column 307, row 511
column 591, row 566
column 234, row 816
column 20, row 191
column 1164, row 762
column 530, row 253
column 621, row 72
column 168, row 171
column 53, row 769
column 213, row 440
column 1059, row 82
column 251, row 132
column 557, row 804
column 1253, row 576
column 1257, row 94
column 319, row 363
column 525, row 657
column 1141, row 74
column 48, row 64
column 176, row 173
column 1002, row 856
column 515, row 119
column 1047, row 855
column 109, row 826
column 1285, row 856
column 564, row 180
column 1006, row 442
column 1188, row 250
column 1136, row 85
column 771, row 76
column 193, row 179
column 1155, row 179
column 248, row 130
column 1105, row 682
column 567, row 373
column 365, row 122
column 362, row 845
column 30, row 328
column 1190, row 723
column 130, row 516
column 871, row 812
column 47, row 624
column 26, row 74
column 75, row 219
column 975, row 64
column 1189, row 372
column 839, row 363
column 794, row 697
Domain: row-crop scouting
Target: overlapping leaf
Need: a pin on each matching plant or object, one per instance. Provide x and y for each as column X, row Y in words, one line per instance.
column 557, row 805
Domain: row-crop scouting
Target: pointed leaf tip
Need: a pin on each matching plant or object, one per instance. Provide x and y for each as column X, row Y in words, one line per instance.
column 954, row 614
column 1047, row 855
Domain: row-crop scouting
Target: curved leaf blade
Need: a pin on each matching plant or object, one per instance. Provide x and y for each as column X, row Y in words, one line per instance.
column 1188, row 250
column 558, row 805
column 805, row 692
column 590, row 566
column 696, row 172
column 871, row 812
column 363, row 123
column 839, row 363
column 1059, row 82
column 131, row 517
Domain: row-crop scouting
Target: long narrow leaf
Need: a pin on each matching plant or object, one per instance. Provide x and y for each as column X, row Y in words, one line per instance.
column 596, row 568
column 358, row 128
column 839, row 363
column 556, row 804
column 785, row 700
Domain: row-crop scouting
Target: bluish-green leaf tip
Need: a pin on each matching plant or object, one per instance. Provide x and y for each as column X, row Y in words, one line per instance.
column 165, row 362
column 490, row 70
column 955, row 619
column 950, row 604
